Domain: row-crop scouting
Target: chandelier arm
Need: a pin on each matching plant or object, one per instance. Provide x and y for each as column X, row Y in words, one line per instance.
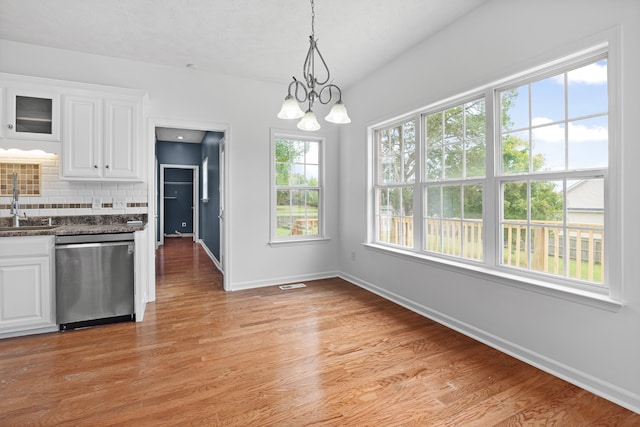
column 299, row 87
column 327, row 89
column 308, row 68
column 326, row 68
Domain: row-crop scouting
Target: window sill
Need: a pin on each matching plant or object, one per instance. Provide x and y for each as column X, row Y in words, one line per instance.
column 294, row 242
column 593, row 299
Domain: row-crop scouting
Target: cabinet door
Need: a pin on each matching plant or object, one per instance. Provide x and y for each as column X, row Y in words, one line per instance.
column 25, row 294
column 82, row 142
column 33, row 115
column 122, row 138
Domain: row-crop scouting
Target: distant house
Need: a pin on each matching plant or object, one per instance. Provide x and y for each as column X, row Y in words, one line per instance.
column 585, row 202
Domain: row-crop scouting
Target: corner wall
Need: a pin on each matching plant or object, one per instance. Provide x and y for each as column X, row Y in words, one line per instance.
column 592, row 347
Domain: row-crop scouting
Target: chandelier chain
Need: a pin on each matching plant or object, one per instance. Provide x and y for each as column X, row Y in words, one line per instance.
column 313, row 20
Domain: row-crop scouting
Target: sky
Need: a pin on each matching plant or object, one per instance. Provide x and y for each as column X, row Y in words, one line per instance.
column 581, row 121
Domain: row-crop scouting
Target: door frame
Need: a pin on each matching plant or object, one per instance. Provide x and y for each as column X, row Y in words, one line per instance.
column 152, row 192
column 222, row 152
column 195, row 209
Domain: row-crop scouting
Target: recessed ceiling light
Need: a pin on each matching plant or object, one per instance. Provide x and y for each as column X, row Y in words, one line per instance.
column 192, row 66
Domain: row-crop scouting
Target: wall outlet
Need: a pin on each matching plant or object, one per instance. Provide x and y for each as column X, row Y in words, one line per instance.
column 119, row 203
column 353, row 255
column 96, row 203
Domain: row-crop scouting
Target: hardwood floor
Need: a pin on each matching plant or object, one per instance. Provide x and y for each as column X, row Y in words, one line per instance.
column 329, row 354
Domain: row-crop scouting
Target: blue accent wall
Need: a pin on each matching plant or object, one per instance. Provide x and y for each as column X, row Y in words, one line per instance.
column 209, row 221
column 178, row 201
column 176, row 210
column 178, row 153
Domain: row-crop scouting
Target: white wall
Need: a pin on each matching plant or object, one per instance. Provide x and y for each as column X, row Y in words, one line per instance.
column 249, row 108
column 593, row 347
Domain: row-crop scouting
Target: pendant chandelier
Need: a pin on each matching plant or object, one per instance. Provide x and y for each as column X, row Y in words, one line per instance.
column 314, row 88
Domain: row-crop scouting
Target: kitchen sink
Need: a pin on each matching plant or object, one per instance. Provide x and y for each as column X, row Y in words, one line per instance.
column 29, row 227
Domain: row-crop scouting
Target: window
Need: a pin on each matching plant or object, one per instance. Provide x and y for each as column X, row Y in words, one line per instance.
column 554, row 145
column 297, row 187
column 455, row 167
column 205, row 180
column 396, row 153
column 512, row 177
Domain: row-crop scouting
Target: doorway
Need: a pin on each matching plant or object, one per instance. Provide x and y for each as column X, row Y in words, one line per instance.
column 179, row 213
column 208, row 173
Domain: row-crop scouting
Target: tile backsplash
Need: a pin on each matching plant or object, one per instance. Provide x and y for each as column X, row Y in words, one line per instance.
column 65, row 198
column 27, row 178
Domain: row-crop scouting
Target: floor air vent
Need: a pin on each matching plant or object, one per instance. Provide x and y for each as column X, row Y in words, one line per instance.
column 294, row 286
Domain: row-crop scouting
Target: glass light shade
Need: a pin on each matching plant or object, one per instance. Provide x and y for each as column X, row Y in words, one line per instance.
column 290, row 109
column 338, row 114
column 309, row 122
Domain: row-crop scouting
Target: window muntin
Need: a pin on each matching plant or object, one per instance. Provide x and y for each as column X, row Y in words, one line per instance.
column 453, row 223
column 455, row 147
column 558, row 123
column 297, row 188
column 544, row 177
column 396, row 174
column 554, row 138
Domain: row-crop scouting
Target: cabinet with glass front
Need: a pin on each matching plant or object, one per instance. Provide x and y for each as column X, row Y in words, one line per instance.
column 32, row 114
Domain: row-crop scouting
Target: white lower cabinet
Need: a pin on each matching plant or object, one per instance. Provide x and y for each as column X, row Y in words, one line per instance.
column 27, row 296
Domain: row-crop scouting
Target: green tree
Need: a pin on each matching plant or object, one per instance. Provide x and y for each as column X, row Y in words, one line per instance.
column 288, row 154
column 546, row 203
column 397, row 145
column 456, row 149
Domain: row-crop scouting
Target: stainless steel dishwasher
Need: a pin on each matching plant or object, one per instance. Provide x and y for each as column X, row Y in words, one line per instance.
column 94, row 279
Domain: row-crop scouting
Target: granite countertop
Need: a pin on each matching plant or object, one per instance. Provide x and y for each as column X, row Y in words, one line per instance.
column 66, row 226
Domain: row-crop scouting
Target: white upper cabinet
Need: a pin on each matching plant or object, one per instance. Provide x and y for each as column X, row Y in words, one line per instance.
column 102, row 137
column 97, row 130
column 29, row 114
column 122, row 138
column 81, row 155
column 33, row 114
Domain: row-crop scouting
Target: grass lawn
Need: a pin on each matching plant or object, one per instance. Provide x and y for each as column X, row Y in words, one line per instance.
column 287, row 216
column 584, row 268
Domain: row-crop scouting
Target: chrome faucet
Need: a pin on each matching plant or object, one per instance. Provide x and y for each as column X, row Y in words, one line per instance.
column 15, row 206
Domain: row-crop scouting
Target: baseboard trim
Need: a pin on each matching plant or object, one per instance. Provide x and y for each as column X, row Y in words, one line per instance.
column 581, row 379
column 282, row 280
column 210, row 254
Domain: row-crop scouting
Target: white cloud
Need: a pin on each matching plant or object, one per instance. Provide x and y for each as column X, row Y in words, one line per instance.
column 593, row 74
column 577, row 132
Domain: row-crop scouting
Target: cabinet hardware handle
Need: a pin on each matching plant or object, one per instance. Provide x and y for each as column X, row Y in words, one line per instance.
column 10, row 126
column 95, row 166
column 107, row 166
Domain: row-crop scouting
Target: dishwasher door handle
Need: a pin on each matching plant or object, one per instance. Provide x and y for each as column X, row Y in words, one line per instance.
column 95, row 245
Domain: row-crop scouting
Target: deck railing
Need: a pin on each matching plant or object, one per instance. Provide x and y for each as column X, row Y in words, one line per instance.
column 547, row 253
column 307, row 226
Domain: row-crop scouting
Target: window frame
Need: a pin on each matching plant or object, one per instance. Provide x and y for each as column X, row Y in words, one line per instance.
column 413, row 184
column 274, row 239
column 426, row 182
column 609, row 294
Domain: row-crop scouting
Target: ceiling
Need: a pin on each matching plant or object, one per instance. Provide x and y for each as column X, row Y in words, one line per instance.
column 264, row 40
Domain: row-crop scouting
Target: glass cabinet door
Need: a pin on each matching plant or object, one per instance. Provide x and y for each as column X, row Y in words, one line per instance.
column 33, row 115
